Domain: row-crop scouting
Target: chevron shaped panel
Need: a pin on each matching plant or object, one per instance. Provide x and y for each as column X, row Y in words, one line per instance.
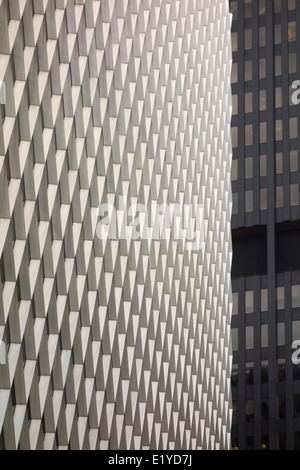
column 117, row 335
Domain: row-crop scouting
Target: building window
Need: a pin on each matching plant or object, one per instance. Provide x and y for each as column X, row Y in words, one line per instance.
column 248, row 70
column 296, row 330
column 278, row 65
column 249, row 167
column 277, row 6
column 234, row 169
column 292, row 4
column 265, row 409
column 249, row 301
column 263, row 132
column 248, row 39
column 294, row 160
column 234, row 339
column 234, row 73
column 280, row 298
column 292, row 62
column 248, row 9
column 279, row 163
column 293, row 127
column 294, row 192
column 249, row 373
column 262, row 100
column 281, row 370
column 263, row 165
column 296, row 297
column 262, row 7
column 264, row 372
column 234, row 10
column 248, row 134
column 280, row 407
column 234, row 41
column 262, row 68
column 249, row 201
column 279, row 196
column 235, row 103
column 264, row 336
column 278, row 128
column 262, row 36
column 278, row 97
column 277, row 34
column 264, row 300
column 234, row 136
column 296, row 405
column 292, row 31
column 235, row 303
column 280, row 334
column 248, row 102
column 263, row 199
column 249, row 411
column 235, row 203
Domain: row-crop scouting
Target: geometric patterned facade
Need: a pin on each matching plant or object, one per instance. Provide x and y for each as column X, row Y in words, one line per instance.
column 114, row 343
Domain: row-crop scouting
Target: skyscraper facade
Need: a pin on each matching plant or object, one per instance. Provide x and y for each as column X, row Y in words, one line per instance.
column 115, row 240
column 265, row 224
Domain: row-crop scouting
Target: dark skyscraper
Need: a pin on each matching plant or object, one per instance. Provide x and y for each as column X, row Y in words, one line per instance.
column 265, row 224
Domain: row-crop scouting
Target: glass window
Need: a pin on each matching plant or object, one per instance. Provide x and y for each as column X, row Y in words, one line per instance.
column 278, row 65
column 296, row 405
column 248, row 134
column 262, row 7
column 248, row 8
column 234, row 169
column 263, row 132
column 234, row 73
column 279, row 163
column 249, row 411
column 234, row 375
column 292, row 4
column 234, row 41
column 294, row 190
column 293, row 127
column 291, row 31
column 264, row 373
column 294, row 160
column 280, row 406
column 263, row 199
column 234, row 412
column 280, row 334
column 278, row 127
column 262, row 68
column 249, row 301
column 278, row 97
column 248, row 39
column 235, row 303
column 262, row 100
column 281, row 370
column 234, row 104
column 292, row 62
column 248, row 102
column 262, row 36
column 249, row 201
column 234, row 339
column 264, row 300
column 249, row 167
column 233, row 10
column 234, row 136
column 235, row 203
column 265, row 409
column 279, row 196
column 296, row 330
column 277, row 34
column 277, row 6
column 264, row 336
column 248, row 70
column 249, row 373
column 263, row 165
column 280, row 297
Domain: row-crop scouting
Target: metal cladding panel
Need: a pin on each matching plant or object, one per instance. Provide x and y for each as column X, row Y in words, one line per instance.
column 115, row 340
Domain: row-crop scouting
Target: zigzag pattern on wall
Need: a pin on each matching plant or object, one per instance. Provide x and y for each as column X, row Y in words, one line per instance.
column 114, row 344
